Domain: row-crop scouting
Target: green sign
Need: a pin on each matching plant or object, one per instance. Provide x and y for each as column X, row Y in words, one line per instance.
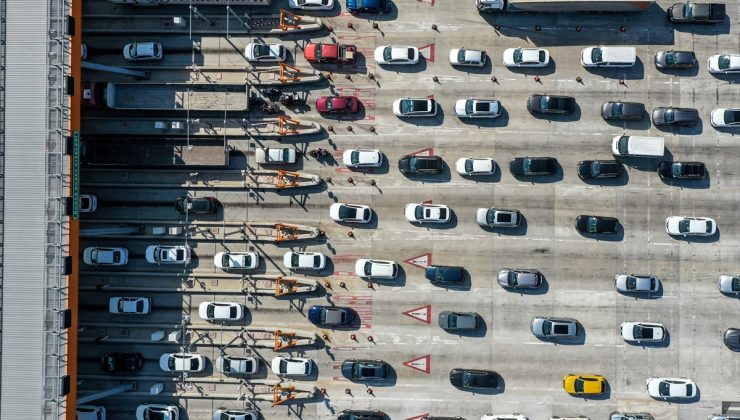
column 76, row 175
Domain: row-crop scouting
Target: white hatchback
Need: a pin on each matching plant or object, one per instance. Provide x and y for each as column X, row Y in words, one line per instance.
column 291, row 366
column 427, row 213
column 724, row 63
column 642, row 332
column 130, row 305
column 221, row 311
column 236, row 260
column 105, row 256
column 350, row 213
column 526, row 57
column 671, row 388
column 273, row 156
column 464, row 57
column 304, row 260
column 380, row 269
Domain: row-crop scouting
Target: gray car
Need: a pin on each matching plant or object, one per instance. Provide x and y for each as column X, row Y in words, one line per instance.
column 635, row 283
column 554, row 328
column 622, row 111
column 668, row 115
column 675, row 59
column 519, row 278
column 729, row 284
column 732, row 339
column 458, row 321
column 630, row 416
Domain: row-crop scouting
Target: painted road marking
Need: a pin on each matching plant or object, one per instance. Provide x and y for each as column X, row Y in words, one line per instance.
column 362, row 305
column 428, row 52
column 419, row 417
column 422, row 364
column 422, row 313
column 428, row 151
column 421, row 261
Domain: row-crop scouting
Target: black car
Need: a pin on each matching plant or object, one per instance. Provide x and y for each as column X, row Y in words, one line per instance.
column 551, row 104
column 121, row 362
column 364, row 370
column 532, row 166
column 732, row 339
column 196, row 205
column 668, row 115
column 622, row 111
column 682, row 170
column 597, row 224
column 361, row 415
column 444, row 274
column 368, row 6
column 417, row 165
column 592, row 169
column 675, row 59
column 473, row 378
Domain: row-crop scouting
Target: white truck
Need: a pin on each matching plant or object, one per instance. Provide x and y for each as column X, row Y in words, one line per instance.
column 563, row 6
column 638, row 146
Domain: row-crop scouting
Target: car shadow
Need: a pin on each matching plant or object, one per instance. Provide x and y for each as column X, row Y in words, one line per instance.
column 642, row 124
column 682, row 130
column 503, row 119
column 419, row 67
column 485, row 69
column 362, row 226
column 733, row 131
column 531, row 72
column 730, row 78
column 426, row 121
column 701, row 239
column 398, row 281
column 690, row 72
column 609, row 182
column 649, row 164
column 712, row 29
column 653, row 345
column 635, row 72
column 480, row 122
column 614, row 237
column 575, row 341
column 542, row 290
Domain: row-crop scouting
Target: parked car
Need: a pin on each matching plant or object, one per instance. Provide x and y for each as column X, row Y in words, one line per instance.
column 369, row 6
column 690, row 226
column 414, row 107
column 724, row 63
column 725, row 117
column 444, row 274
column 167, row 254
column 91, row 412
column 555, row 328
column 514, row 416
column 597, row 224
column 330, row 316
column 361, row 415
column 221, row 311
column 681, row 170
column 142, row 51
column 350, row 213
column 95, row 255
column 635, row 283
column 196, row 205
column 684, row 117
column 88, row 203
column 237, row 365
column 732, row 339
column 365, row 370
column 157, row 411
column 533, row 166
column 675, row 59
column 671, row 388
column 236, row 260
column 362, row 158
column 596, row 169
column 338, row 104
column 477, row 108
column 584, row 384
column 642, row 332
column 231, row 414
column 265, row 53
column 475, row 166
column 466, row 57
column 122, row 362
column 630, row 416
column 420, row 165
column 427, row 213
column 459, row 321
column 729, row 284
column 275, row 156
column 376, row 269
column 472, row 379
column 130, row 305
column 622, row 111
column 526, row 57
column 182, row 362
column 498, row 218
column 323, row 52
column 723, row 417
column 396, row 55
column 311, row 4
column 304, row 260
column 551, row 104
column 518, row 278
column 291, row 366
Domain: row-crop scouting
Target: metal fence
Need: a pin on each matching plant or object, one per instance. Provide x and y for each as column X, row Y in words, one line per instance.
column 2, row 158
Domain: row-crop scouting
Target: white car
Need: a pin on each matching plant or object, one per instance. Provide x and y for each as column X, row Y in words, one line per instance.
column 236, row 260
column 311, row 4
column 635, row 283
column 88, row 203
column 690, row 226
column 376, row 269
column 427, row 213
column 729, row 284
column 105, row 256
column 725, row 117
column 390, row 54
column 723, row 417
column 362, row 158
column 173, row 254
column 495, row 218
column 142, row 51
column 221, row 311
column 477, row 108
column 182, row 362
column 671, row 388
column 273, row 156
column 304, row 260
column 642, row 332
column 91, row 412
column 351, row 213
column 265, row 53
column 237, row 365
column 291, row 366
column 526, row 57
column 464, row 57
column 515, row 416
column 157, row 411
column 130, row 305
column 414, row 107
column 475, row 166
column 230, row 414
column 724, row 63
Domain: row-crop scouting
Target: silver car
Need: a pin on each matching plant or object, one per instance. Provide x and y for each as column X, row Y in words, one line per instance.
column 519, row 278
column 729, row 284
column 237, row 365
column 554, row 328
column 492, row 217
column 630, row 416
column 458, row 321
column 634, row 283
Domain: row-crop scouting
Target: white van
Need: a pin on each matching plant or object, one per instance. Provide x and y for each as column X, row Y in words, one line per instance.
column 638, row 146
column 609, row 56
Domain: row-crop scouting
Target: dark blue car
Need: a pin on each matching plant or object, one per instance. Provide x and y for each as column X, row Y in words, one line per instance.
column 330, row 316
column 369, row 6
column 444, row 274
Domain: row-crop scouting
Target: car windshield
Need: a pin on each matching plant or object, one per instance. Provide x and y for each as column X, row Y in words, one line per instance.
column 262, row 50
column 669, row 115
column 623, row 145
column 617, row 109
column 578, row 385
column 132, row 50
column 211, row 310
column 355, row 158
column 676, row 170
column 724, row 62
column 419, row 212
column 638, row 332
column 490, row 215
column 154, row 414
column 225, row 261
column 664, row 388
column 684, row 225
column 155, row 50
column 294, row 260
column 94, row 255
column 596, row 168
column 461, row 56
column 452, row 321
column 688, row 9
column 469, row 107
column 546, row 327
column 596, row 55
column 283, row 366
column 468, row 165
column 409, row 106
column 171, row 362
column 140, row 306
column 387, row 54
column 120, row 305
column 732, row 116
column 346, row 212
column 512, row 278
column 227, row 364
column 368, row 269
column 518, row 55
column 736, row 284
column 631, row 283
column 545, row 103
column 593, row 224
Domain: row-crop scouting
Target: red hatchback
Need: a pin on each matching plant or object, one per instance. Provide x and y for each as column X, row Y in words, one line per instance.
column 337, row 104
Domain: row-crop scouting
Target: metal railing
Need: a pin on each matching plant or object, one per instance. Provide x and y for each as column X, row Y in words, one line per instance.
column 2, row 159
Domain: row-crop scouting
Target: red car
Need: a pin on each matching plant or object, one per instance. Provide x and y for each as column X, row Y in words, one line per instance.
column 337, row 104
column 330, row 53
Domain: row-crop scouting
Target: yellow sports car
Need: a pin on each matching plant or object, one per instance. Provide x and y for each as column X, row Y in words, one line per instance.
column 584, row 384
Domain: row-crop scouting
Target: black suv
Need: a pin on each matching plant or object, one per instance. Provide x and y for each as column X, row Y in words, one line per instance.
column 444, row 274
column 597, row 224
column 533, row 166
column 364, row 370
column 685, row 117
column 622, row 111
column 196, row 205
column 121, row 362
column 682, row 170
column 591, row 169
column 417, row 165
column 551, row 104
column 473, row 378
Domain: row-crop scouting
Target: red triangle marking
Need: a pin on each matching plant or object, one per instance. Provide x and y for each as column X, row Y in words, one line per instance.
column 427, row 202
column 421, row 261
column 422, row 313
column 428, row 52
column 422, row 364
column 423, row 152
column 419, row 417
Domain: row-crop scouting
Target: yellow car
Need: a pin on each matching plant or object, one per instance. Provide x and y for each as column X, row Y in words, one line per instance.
column 584, row 384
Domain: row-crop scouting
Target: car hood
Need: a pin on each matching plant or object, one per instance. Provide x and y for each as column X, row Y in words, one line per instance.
column 481, row 216
column 460, row 107
column 310, row 51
